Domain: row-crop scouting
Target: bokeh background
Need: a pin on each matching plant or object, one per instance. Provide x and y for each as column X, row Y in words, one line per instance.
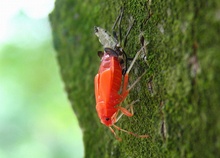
column 36, row 119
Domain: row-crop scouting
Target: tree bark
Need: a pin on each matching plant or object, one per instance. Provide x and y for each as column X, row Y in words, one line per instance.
column 179, row 96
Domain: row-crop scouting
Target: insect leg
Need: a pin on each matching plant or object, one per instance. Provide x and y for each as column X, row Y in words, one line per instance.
column 137, row 80
column 118, row 21
column 131, row 23
column 135, row 58
column 125, row 84
column 126, row 62
column 124, row 111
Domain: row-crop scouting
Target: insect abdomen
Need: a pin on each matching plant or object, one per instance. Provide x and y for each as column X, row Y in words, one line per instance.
column 110, row 80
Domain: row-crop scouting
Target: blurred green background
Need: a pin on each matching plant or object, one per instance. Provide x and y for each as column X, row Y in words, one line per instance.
column 36, row 119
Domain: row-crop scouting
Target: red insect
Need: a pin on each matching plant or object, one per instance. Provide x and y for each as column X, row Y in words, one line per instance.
column 111, row 82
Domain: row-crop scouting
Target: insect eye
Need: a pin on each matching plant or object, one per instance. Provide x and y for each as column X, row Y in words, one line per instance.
column 107, row 119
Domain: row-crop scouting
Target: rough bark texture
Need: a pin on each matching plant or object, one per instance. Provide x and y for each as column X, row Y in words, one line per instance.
column 179, row 96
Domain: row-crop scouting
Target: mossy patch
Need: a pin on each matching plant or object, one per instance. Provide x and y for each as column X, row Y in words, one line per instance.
column 179, row 95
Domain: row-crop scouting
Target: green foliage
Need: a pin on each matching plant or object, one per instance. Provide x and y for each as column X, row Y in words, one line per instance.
column 181, row 112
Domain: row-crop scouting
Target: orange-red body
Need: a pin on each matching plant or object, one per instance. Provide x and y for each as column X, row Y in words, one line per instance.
column 112, row 80
column 108, row 84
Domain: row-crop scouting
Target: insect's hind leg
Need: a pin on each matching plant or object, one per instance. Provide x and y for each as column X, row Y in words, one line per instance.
column 137, row 80
column 134, row 59
column 125, row 91
column 143, row 50
column 124, row 111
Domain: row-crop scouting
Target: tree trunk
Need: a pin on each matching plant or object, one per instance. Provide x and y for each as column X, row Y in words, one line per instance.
column 179, row 95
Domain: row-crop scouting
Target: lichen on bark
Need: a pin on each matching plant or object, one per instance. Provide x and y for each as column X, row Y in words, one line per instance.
column 179, row 95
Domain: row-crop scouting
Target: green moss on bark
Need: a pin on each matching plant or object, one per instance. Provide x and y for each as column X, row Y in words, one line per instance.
column 183, row 62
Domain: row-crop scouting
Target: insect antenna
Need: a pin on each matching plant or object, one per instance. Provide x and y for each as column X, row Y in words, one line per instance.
column 128, row 132
column 118, row 138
